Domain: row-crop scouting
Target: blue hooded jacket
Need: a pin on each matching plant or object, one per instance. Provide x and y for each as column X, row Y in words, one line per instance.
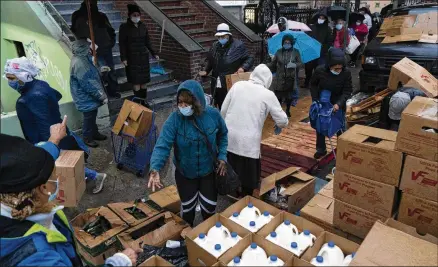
column 85, row 84
column 193, row 158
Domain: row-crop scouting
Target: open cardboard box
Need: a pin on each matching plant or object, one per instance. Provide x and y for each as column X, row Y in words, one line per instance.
column 142, row 212
column 369, row 153
column 154, row 232
column 97, row 245
column 300, row 187
column 345, row 245
column 395, row 244
column 243, row 202
column 231, row 79
column 268, row 247
column 412, row 138
column 167, row 198
column 134, row 120
column 199, row 256
column 155, row 261
column 98, row 260
column 301, row 224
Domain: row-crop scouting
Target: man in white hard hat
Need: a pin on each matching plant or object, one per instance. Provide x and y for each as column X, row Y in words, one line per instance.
column 226, row 56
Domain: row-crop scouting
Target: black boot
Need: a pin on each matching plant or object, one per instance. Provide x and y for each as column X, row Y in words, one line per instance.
column 143, row 95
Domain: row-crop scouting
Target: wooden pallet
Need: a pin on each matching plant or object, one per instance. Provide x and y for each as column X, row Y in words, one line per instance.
column 369, row 102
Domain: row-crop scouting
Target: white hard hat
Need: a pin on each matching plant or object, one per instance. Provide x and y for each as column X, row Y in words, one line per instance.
column 223, row 29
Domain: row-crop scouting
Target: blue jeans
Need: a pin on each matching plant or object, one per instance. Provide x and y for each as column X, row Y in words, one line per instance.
column 89, row 128
column 109, row 78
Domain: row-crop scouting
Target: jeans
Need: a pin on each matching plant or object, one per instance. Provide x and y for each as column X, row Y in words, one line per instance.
column 109, row 78
column 89, row 128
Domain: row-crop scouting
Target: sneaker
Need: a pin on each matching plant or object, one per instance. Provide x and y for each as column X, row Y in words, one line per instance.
column 319, row 155
column 99, row 137
column 115, row 96
column 100, row 179
column 90, row 142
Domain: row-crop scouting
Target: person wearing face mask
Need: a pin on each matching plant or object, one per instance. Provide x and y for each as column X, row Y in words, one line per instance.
column 339, row 34
column 226, row 56
column 323, row 34
column 245, row 117
column 33, row 230
column 105, row 38
column 135, row 46
column 368, row 21
column 335, row 78
column 361, row 32
column 186, row 131
column 286, row 64
column 37, row 109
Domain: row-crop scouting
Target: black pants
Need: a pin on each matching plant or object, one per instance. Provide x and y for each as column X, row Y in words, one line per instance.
column 320, row 142
column 89, row 128
column 219, row 96
column 192, row 191
column 356, row 53
column 108, row 77
column 249, row 171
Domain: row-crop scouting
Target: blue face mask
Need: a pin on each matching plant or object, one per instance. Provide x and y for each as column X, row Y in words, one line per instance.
column 339, row 27
column 223, row 41
column 52, row 197
column 186, row 111
column 287, row 46
column 16, row 85
column 335, row 72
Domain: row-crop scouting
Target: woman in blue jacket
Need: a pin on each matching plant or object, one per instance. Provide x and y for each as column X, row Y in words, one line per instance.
column 186, row 130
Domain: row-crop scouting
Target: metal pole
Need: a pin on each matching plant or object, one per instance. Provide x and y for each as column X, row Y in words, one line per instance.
column 90, row 24
column 347, row 18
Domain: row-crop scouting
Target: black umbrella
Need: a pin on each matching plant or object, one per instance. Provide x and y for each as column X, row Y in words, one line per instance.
column 336, row 12
column 355, row 17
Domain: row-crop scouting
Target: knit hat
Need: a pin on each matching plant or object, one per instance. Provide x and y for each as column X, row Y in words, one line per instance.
column 132, row 9
column 223, row 29
column 288, row 37
column 398, row 102
column 23, row 166
column 336, row 56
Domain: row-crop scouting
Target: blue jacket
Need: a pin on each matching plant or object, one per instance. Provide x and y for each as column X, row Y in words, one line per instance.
column 85, row 84
column 193, row 158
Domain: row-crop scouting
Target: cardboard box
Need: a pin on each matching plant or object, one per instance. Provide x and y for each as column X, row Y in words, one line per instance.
column 97, row 245
column 345, row 245
column 154, row 232
column 419, row 213
column 142, row 212
column 369, row 153
column 70, row 173
column 300, row 187
column 167, row 198
column 327, row 190
column 242, row 203
column 420, row 178
column 134, row 120
column 389, row 246
column 199, row 256
column 155, row 261
column 420, row 114
column 406, row 70
column 354, row 220
column 98, row 260
column 301, row 224
column 364, row 193
column 430, row 32
column 231, row 79
column 269, row 247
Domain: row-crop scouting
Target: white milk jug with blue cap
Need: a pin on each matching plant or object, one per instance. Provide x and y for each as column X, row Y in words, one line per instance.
column 218, row 233
column 252, row 226
column 234, row 238
column 249, row 213
column 332, row 254
column 201, row 240
column 254, row 256
column 287, row 233
column 294, row 248
column 235, row 217
column 273, row 237
column 318, row 261
column 348, row 259
column 306, row 239
column 265, row 218
column 235, row 262
column 217, row 251
column 273, row 260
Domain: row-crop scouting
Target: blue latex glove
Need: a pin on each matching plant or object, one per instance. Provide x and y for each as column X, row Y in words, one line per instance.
column 277, row 130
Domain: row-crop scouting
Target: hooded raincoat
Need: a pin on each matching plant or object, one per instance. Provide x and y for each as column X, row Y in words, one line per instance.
column 193, row 158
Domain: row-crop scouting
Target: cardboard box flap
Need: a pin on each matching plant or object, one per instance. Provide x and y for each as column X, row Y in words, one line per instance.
column 135, row 113
column 410, row 230
column 423, row 107
column 371, row 136
column 327, row 190
column 268, row 183
column 321, row 201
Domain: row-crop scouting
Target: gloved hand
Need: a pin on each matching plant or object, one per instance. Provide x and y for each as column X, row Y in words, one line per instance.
column 277, row 130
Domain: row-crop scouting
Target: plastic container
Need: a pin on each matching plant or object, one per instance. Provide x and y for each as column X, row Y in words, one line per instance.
column 295, row 249
column 234, row 239
column 217, row 251
column 273, row 238
column 306, row 239
column 235, row 217
column 249, row 213
column 332, row 254
column 253, row 227
column 287, row 233
column 235, row 262
column 318, row 261
column 348, row 259
column 265, row 218
column 275, row 261
column 254, row 256
column 218, row 233
column 201, row 240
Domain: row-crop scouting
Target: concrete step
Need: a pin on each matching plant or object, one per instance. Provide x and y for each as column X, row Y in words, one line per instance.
column 75, row 5
column 111, row 14
column 190, row 25
column 182, row 17
column 162, row 3
column 174, row 9
column 120, row 68
column 196, row 33
column 162, row 89
column 155, row 78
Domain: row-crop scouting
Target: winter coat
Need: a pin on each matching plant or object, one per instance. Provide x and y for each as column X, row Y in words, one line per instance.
column 323, row 34
column 134, row 44
column 245, row 116
column 339, row 38
column 104, row 33
column 368, row 21
column 85, row 83
column 224, row 60
column 361, row 31
column 193, row 158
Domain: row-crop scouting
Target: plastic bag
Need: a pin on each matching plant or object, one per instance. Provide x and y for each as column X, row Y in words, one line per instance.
column 158, row 70
column 353, row 45
column 176, row 256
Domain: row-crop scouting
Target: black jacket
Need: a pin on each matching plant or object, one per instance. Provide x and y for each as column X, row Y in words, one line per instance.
column 323, row 34
column 284, row 78
column 104, row 33
column 134, row 44
column 340, row 85
column 224, row 60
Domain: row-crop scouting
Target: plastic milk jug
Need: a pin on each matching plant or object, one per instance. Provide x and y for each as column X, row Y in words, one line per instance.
column 273, row 238
column 253, row 227
column 235, row 217
column 318, row 261
column 275, row 261
column 249, row 213
column 287, row 233
column 348, row 259
column 265, row 218
column 293, row 247
column 233, row 239
column 235, row 262
column 218, row 233
column 306, row 239
column 254, row 256
column 201, row 240
column 217, row 251
column 332, row 254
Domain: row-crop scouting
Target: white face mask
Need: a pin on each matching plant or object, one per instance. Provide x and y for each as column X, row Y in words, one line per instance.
column 321, row 21
column 135, row 19
column 358, row 23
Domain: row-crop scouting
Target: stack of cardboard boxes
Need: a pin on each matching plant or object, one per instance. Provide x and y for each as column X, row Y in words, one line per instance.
column 418, row 139
column 367, row 175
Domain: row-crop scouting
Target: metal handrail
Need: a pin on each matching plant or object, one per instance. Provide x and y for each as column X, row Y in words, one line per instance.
column 63, row 26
